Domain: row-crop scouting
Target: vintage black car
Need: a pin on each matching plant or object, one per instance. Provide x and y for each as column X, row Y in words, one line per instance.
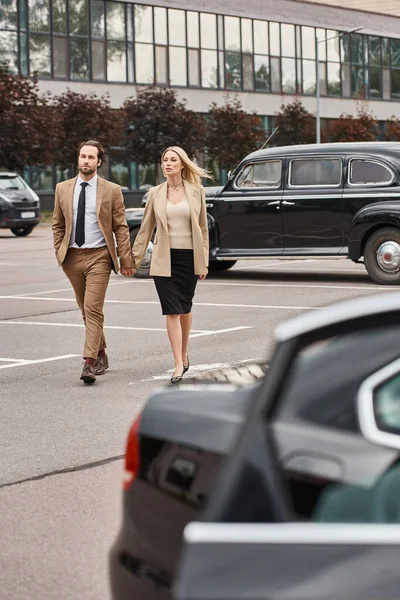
column 292, row 484
column 339, row 200
column 19, row 204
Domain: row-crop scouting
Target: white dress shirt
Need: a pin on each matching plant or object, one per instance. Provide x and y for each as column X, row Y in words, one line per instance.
column 93, row 236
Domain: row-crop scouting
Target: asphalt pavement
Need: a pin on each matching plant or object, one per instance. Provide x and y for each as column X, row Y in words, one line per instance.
column 62, row 443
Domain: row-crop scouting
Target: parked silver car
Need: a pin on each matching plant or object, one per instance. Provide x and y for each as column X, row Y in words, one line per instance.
column 19, row 204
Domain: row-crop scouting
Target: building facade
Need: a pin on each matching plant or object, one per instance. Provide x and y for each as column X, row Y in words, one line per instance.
column 263, row 50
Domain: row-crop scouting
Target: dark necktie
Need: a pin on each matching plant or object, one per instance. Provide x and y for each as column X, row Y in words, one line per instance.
column 80, row 217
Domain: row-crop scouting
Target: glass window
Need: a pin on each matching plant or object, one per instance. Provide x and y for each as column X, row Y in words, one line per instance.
column 42, row 178
column 97, row 9
column 177, row 66
column 9, row 50
column 385, row 52
column 261, row 68
column 78, row 17
column 160, row 26
column 116, row 61
column 143, row 23
column 346, row 81
column 59, row 16
column 79, row 50
column 98, row 60
column 119, row 173
column 248, row 74
column 334, row 79
column 275, row 75
column 23, row 17
column 208, row 28
column 396, row 84
column 232, row 33
column 345, row 48
column 323, row 83
column 144, row 64
column 395, row 52
column 247, row 35
column 288, row 75
column 386, row 84
column 209, row 69
column 274, row 39
column 375, row 83
column 39, row 15
column 147, row 176
column 39, row 55
column 194, row 67
column 177, row 27
column 333, row 46
column 308, row 42
column 193, row 29
column 374, row 51
column 386, row 399
column 368, row 172
column 309, row 77
column 288, row 40
column 221, row 69
column 60, row 57
column 220, row 31
column 115, row 20
column 8, row 15
column 233, row 72
column 161, row 64
column 356, row 43
column 357, row 81
column 260, row 37
column 315, row 172
column 62, row 174
column 23, row 53
column 131, row 68
column 260, row 175
column 321, row 35
column 129, row 22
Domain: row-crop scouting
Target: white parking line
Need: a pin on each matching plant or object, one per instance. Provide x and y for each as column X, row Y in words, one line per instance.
column 13, row 360
column 222, row 283
column 221, row 331
column 69, row 289
column 35, row 362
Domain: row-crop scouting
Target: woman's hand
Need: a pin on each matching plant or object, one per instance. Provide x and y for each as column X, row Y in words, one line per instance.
column 201, row 277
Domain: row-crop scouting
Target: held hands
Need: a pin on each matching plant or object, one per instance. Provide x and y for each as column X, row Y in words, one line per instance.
column 127, row 271
column 202, row 277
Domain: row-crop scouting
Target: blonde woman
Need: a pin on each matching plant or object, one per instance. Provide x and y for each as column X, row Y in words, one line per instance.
column 177, row 208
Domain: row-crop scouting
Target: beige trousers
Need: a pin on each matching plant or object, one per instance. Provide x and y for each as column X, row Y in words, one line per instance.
column 89, row 272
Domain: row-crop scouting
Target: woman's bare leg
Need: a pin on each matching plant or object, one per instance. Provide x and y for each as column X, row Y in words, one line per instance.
column 174, row 330
column 186, row 326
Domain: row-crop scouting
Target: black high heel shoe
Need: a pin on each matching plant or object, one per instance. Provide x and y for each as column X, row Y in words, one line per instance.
column 186, row 367
column 177, row 378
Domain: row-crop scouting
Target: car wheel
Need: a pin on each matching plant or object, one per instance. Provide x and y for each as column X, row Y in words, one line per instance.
column 144, row 270
column 22, row 231
column 382, row 256
column 220, row 265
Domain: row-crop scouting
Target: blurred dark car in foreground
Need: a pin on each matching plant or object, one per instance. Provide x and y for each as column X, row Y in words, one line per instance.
column 261, row 477
column 19, row 204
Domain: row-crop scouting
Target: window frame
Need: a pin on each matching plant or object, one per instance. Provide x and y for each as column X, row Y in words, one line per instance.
column 319, row 185
column 258, row 162
column 373, row 160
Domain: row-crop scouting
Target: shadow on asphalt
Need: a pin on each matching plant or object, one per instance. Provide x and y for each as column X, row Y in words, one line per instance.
column 287, row 276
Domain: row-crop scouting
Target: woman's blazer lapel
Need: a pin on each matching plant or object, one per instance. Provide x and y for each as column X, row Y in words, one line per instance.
column 160, row 205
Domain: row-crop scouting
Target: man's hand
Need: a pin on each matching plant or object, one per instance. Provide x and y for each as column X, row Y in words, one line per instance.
column 127, row 272
column 202, row 277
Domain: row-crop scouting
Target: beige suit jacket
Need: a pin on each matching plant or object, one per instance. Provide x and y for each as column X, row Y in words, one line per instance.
column 110, row 211
column 155, row 214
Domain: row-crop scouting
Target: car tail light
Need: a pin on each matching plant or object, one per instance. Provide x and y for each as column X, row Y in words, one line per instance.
column 132, row 455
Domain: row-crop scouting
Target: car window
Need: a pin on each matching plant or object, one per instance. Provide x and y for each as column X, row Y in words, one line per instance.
column 260, row 175
column 386, row 402
column 369, row 172
column 12, row 182
column 315, row 172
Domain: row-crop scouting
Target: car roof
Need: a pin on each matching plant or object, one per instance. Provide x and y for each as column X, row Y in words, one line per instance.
column 8, row 173
column 384, row 148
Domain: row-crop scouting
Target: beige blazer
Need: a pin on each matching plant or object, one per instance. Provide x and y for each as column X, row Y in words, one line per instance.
column 110, row 214
column 155, row 214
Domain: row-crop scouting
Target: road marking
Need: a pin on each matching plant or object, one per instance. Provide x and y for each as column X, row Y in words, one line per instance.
column 270, row 306
column 196, row 369
column 197, row 331
column 69, row 289
column 223, row 283
column 35, row 362
column 13, row 360
column 221, row 331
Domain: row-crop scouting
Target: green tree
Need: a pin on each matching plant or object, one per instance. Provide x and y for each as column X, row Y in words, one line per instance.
column 156, row 119
column 349, row 128
column 27, row 123
column 296, row 125
column 83, row 117
column 232, row 133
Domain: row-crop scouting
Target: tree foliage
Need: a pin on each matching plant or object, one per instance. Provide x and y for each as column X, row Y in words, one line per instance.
column 296, row 125
column 232, row 133
column 361, row 127
column 392, row 130
column 84, row 117
column 26, row 123
column 156, row 119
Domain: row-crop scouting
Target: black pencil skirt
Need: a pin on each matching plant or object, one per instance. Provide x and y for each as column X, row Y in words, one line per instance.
column 176, row 292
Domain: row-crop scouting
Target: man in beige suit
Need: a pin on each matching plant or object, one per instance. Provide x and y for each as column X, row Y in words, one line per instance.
column 89, row 215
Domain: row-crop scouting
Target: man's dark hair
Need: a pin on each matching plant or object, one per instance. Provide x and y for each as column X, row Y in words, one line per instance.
column 96, row 144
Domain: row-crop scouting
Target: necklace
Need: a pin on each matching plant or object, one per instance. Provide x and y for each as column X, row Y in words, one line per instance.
column 175, row 188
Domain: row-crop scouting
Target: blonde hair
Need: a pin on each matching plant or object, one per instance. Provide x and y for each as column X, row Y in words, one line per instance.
column 190, row 172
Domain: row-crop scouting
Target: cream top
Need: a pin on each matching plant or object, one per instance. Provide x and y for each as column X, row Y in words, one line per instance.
column 179, row 224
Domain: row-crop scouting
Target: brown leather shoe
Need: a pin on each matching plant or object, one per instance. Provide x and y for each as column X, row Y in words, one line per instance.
column 88, row 374
column 101, row 365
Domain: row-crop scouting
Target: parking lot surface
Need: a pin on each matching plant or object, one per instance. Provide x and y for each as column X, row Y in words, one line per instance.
column 61, row 442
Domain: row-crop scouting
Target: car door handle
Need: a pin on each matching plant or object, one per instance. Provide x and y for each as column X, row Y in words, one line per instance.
column 288, row 203
column 275, row 202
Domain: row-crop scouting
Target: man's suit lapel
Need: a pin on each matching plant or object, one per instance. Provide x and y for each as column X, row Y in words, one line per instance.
column 99, row 194
column 70, row 199
column 161, row 205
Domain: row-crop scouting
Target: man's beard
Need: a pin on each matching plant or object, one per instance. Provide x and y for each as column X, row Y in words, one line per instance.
column 86, row 170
